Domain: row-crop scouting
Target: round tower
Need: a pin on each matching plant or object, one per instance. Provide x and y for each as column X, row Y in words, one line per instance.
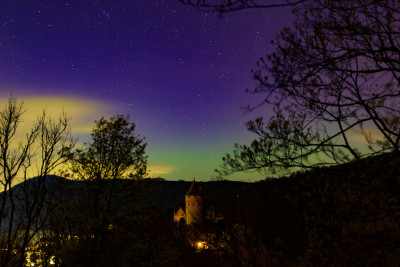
column 194, row 205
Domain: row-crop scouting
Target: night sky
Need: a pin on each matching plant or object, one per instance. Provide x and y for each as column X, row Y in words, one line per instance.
column 181, row 74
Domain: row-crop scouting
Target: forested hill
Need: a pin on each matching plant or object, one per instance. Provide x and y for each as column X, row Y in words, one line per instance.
column 163, row 193
column 345, row 215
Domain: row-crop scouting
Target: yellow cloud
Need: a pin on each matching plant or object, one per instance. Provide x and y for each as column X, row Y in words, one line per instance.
column 157, row 169
column 82, row 112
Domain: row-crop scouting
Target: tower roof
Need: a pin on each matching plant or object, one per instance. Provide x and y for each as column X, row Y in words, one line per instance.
column 180, row 212
column 193, row 190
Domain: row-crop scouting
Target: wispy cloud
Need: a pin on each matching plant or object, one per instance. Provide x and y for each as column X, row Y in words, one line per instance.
column 157, row 169
column 82, row 112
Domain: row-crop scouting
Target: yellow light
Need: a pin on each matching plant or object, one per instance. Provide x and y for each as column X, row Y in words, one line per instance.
column 200, row 245
column 52, row 262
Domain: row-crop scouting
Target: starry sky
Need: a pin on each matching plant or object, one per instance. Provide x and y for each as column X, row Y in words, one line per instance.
column 179, row 73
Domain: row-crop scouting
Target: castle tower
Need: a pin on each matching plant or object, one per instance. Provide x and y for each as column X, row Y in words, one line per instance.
column 194, row 205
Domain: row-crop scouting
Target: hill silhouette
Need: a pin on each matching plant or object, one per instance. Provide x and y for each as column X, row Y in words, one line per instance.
column 166, row 194
column 344, row 215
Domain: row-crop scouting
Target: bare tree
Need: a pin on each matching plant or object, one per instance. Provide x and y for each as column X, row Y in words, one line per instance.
column 23, row 206
column 333, row 78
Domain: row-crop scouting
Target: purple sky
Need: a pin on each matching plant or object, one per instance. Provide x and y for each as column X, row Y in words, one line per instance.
column 181, row 74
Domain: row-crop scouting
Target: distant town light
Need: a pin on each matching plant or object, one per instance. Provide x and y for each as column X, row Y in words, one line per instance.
column 52, row 260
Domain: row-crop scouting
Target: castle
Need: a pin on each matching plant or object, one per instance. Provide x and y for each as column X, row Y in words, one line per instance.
column 194, row 212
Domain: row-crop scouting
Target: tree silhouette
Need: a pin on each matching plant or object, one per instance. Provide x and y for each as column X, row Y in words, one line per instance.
column 333, row 82
column 115, row 152
column 24, row 202
column 106, row 208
